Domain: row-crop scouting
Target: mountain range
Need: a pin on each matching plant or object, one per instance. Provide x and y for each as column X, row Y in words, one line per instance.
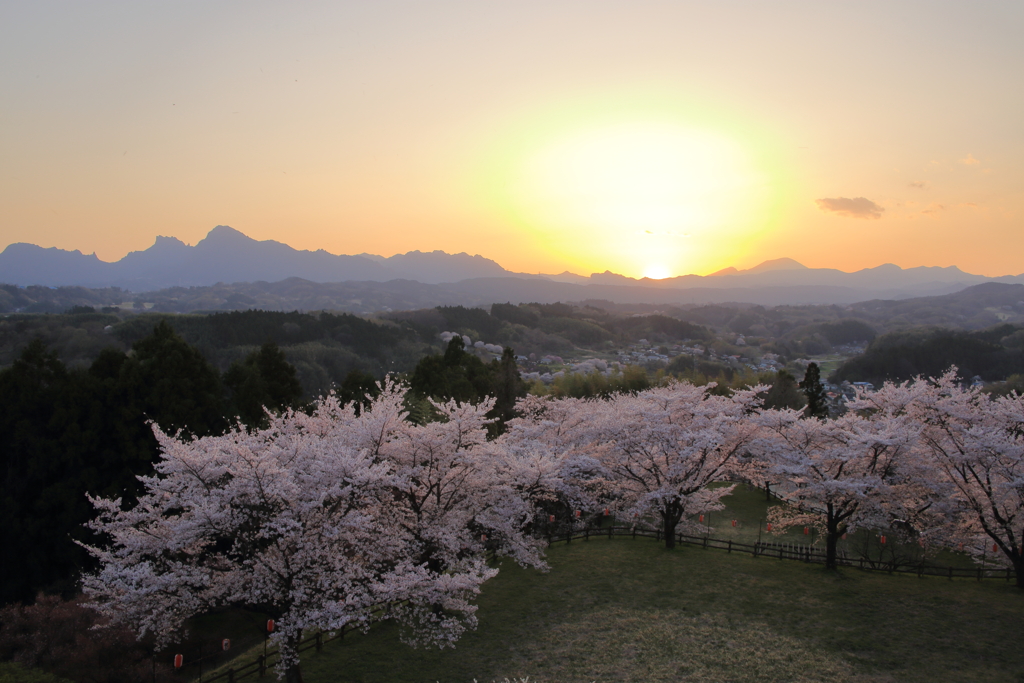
column 226, row 255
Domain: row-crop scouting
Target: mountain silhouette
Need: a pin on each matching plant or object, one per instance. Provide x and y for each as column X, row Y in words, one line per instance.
column 226, row 255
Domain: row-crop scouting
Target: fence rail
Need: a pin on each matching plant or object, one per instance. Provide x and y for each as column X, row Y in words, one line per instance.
column 790, row 551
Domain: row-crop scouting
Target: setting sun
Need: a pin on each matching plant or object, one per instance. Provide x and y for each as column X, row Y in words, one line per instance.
column 636, row 193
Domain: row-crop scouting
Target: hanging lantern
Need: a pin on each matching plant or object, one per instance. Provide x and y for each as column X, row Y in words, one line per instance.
column 701, row 518
column 606, row 512
column 807, row 530
column 769, row 526
column 270, row 625
column 551, row 519
column 995, row 547
column 961, row 547
column 178, row 661
column 577, row 514
column 734, row 522
column 225, row 644
column 883, row 540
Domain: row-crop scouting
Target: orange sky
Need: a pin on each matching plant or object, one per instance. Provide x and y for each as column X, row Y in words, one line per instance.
column 657, row 138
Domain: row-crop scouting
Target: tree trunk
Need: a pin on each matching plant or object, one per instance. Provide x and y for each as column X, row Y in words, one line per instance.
column 290, row 646
column 831, row 545
column 833, row 530
column 670, row 522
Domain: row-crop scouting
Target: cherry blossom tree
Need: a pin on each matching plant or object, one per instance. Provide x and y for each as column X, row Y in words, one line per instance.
column 298, row 521
column 662, row 448
column 836, row 474
column 455, row 497
column 976, row 445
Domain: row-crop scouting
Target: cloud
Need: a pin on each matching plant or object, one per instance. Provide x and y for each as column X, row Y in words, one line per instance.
column 858, row 207
column 917, row 184
column 969, row 160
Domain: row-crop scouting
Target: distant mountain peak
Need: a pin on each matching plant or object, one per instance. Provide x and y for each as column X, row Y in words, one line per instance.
column 724, row 271
column 776, row 264
column 225, row 233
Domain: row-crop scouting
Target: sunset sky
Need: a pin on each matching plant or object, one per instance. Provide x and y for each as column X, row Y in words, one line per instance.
column 646, row 138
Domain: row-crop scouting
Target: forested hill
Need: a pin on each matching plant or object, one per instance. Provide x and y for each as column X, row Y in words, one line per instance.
column 992, row 354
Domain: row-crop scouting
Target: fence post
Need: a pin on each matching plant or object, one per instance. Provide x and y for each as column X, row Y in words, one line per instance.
column 609, row 532
column 730, row 546
column 780, row 552
column 586, row 534
column 950, row 573
column 263, row 665
column 231, row 676
column 319, row 641
column 979, row 573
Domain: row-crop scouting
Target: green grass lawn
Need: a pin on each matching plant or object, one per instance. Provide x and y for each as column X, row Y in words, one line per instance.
column 626, row 609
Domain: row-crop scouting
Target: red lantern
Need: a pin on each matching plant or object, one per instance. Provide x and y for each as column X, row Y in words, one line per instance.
column 734, row 522
column 995, row 547
column 225, row 644
column 483, row 537
column 577, row 514
column 807, row 530
column 606, row 512
column 178, row 661
column 701, row 518
column 769, row 526
column 883, row 540
column 551, row 518
column 270, row 625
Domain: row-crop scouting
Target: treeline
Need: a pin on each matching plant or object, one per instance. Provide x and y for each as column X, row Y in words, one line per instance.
column 65, row 432
column 992, row 354
column 323, row 347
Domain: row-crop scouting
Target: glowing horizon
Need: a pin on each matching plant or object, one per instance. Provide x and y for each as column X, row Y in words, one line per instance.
column 574, row 137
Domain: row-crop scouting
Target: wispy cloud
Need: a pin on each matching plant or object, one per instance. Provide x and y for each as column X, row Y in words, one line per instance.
column 917, row 184
column 969, row 160
column 858, row 207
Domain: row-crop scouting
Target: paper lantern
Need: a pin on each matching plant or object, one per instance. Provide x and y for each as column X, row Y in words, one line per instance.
column 551, row 518
column 769, row 526
column 270, row 625
column 225, row 644
column 606, row 512
column 577, row 514
column 995, row 547
column 178, row 661
column 483, row 537
column 883, row 540
column 734, row 522
column 701, row 518
column 807, row 530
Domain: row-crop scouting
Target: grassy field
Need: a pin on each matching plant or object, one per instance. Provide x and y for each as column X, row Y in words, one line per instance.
column 625, row 609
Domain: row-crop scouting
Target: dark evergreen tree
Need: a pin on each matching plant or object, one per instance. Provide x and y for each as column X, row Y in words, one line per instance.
column 175, row 386
column 359, row 388
column 264, row 380
column 455, row 375
column 507, row 387
column 784, row 393
column 814, row 392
